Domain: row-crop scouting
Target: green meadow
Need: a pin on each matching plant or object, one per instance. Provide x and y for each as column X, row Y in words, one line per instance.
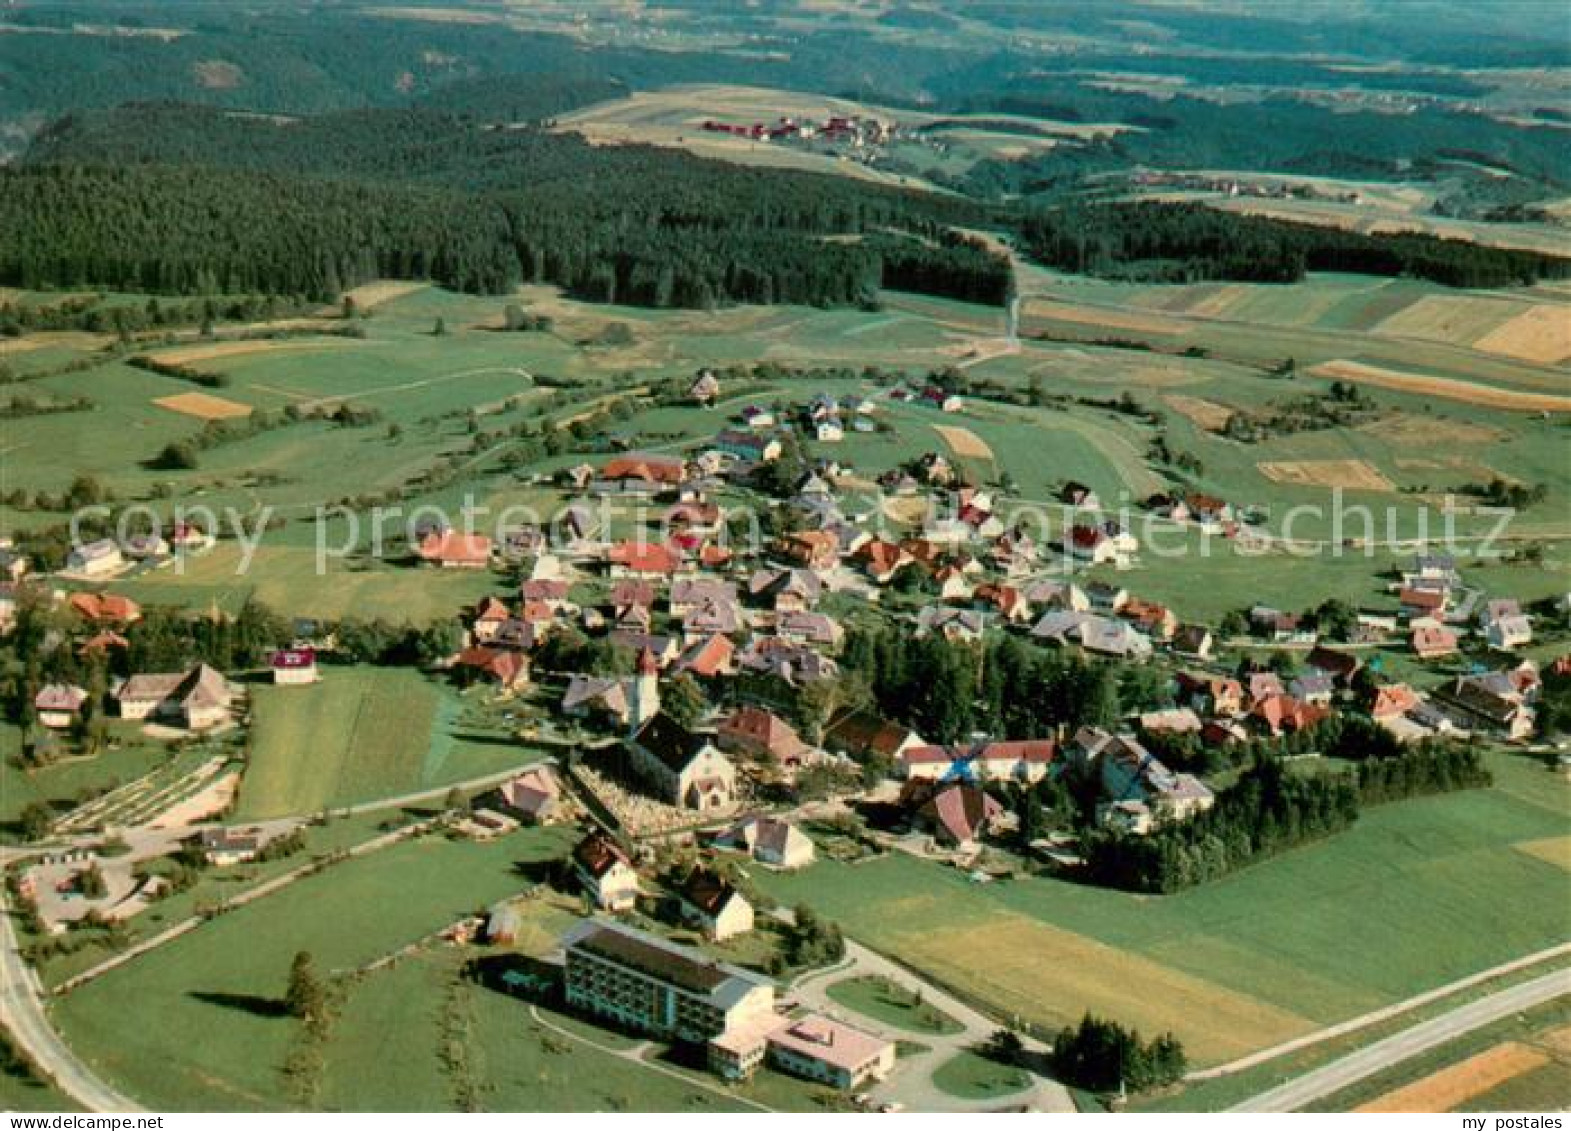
column 1417, row 894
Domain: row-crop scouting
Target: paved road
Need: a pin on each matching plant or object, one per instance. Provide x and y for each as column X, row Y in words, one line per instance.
column 911, row 1084
column 1376, row 1016
column 22, row 1010
column 1356, row 1066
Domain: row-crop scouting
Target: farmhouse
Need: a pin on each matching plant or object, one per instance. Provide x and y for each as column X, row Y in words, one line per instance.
column 95, row 559
column 954, row 814
column 606, row 873
column 59, row 705
column 292, row 667
column 1019, row 761
column 1491, row 703
column 817, row 550
column 503, row 667
column 197, row 699
column 106, row 608
column 707, row 657
column 1141, row 791
column 753, row 446
column 787, row 590
column 1431, row 642
column 645, row 560
column 451, row 550
column 881, row 560
column 1507, row 633
column 641, row 473
column 534, row 797
column 865, row 737
column 222, row 847
column 709, row 902
column 771, row 841
column 758, row 733
column 705, row 388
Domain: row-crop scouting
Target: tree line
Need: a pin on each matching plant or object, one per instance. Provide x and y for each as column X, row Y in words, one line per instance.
column 187, row 200
column 1270, row 810
column 1174, row 242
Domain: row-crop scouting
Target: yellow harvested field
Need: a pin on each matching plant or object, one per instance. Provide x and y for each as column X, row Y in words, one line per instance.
column 369, row 295
column 1102, row 316
column 204, row 406
column 217, row 351
column 1446, row 1089
column 1202, row 413
column 1352, row 474
column 1457, row 319
column 1550, row 849
column 964, row 442
column 72, row 339
column 1540, row 333
column 1447, row 388
column 1052, row 977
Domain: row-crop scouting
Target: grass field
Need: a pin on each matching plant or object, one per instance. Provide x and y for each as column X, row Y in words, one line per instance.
column 219, row 1043
column 971, row 1076
column 885, row 1001
column 1270, row 953
column 358, row 735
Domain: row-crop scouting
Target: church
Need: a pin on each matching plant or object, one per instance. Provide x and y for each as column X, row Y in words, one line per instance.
column 679, row 767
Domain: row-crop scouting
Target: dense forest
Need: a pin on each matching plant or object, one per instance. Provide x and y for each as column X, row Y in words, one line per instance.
column 1181, row 243
column 316, row 205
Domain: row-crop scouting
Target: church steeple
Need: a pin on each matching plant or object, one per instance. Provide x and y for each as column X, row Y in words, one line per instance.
column 644, row 703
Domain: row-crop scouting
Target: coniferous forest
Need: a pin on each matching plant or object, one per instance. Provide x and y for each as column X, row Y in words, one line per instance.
column 313, row 206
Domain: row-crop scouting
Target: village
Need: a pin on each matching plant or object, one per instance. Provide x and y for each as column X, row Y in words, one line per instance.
column 695, row 689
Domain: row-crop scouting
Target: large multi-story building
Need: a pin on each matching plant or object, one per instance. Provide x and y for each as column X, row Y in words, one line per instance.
column 641, row 982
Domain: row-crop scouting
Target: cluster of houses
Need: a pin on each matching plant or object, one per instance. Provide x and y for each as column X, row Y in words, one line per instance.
column 1439, row 611
column 104, row 558
column 855, row 130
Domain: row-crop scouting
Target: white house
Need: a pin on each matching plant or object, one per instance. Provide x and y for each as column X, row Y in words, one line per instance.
column 710, row 903
column 606, row 873
column 96, row 559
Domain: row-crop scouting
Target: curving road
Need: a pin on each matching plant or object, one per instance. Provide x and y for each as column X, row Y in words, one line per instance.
column 22, row 1010
column 1359, row 1065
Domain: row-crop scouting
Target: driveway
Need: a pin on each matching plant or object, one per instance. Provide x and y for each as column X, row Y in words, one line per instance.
column 911, row 1084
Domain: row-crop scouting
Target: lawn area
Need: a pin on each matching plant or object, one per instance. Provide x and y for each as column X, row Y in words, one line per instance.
column 220, row 1042
column 971, row 1076
column 386, row 1053
column 1270, row 953
column 361, row 734
column 284, row 576
column 883, row 1000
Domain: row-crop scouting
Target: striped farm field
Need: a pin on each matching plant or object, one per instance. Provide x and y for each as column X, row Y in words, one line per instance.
column 964, row 443
column 203, row 406
column 1540, row 333
column 1450, row 1087
column 1458, row 319
column 1447, row 388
